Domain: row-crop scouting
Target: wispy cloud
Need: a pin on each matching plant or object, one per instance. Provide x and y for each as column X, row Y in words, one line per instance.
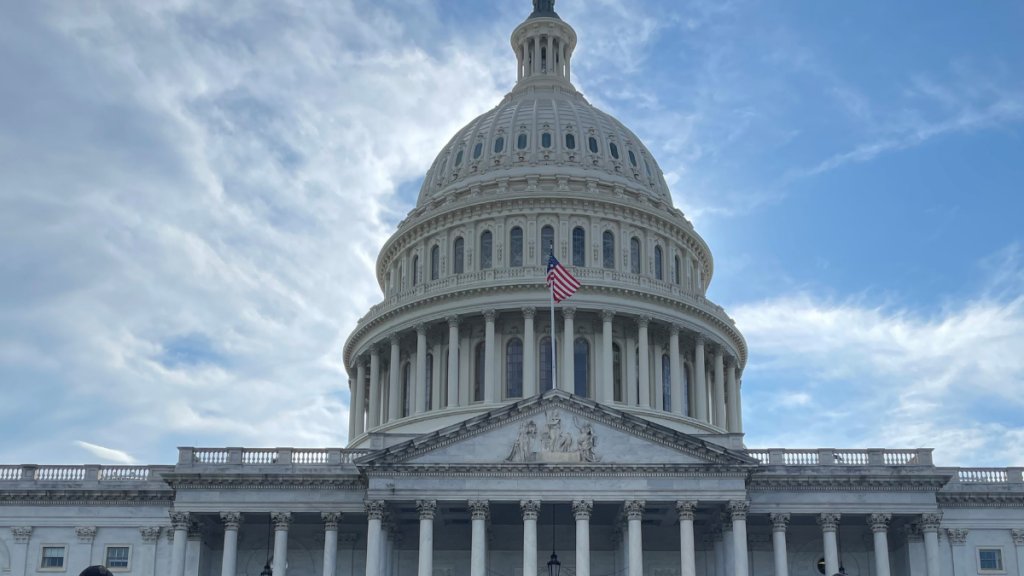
column 108, row 454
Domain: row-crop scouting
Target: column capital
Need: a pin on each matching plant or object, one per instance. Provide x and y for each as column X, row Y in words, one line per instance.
column 86, row 534
column 957, row 536
column 231, row 520
column 281, row 520
column 913, row 533
column 699, row 339
column 180, row 520
column 581, row 509
column 720, row 351
column 373, row 349
column 529, row 312
column 375, row 509
column 348, row 537
column 730, row 362
column 643, row 321
column 931, row 522
column 426, row 508
column 490, row 315
column 150, row 534
column 421, row 329
column 196, row 531
column 635, row 509
column 568, row 312
column 530, row 509
column 685, row 509
column 674, row 329
column 738, row 509
column 1018, row 536
column 780, row 520
column 453, row 321
column 879, row 522
column 21, row 534
column 479, row 509
column 607, row 315
column 331, row 520
column 829, row 522
column 395, row 338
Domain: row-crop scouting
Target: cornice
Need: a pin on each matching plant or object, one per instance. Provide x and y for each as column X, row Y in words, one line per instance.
column 831, row 479
column 980, row 499
column 336, row 481
column 501, row 470
column 45, row 497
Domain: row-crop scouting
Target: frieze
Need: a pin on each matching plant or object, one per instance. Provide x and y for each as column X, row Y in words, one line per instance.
column 555, row 445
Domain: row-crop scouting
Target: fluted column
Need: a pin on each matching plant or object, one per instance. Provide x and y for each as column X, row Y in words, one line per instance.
column 282, row 522
column 630, row 395
column 676, row 369
column 700, row 386
column 331, row 520
column 453, row 361
column 426, row 508
column 180, row 522
column 357, row 413
column 880, row 526
column 568, row 338
column 779, row 523
column 734, row 397
column 642, row 322
column 536, row 55
column 829, row 524
column 719, row 388
column 374, row 513
column 530, row 509
column 581, row 510
column 606, row 394
column 419, row 399
column 479, row 509
column 395, row 388
column 930, row 524
column 957, row 543
column 687, row 555
column 718, row 537
column 635, row 513
column 738, row 509
column 728, row 546
column 229, row 559
column 375, row 390
column 1018, row 541
column 489, row 384
column 529, row 353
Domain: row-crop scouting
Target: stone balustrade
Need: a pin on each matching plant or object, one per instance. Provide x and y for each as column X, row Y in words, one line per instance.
column 90, row 473
column 842, row 457
column 990, row 476
column 268, row 456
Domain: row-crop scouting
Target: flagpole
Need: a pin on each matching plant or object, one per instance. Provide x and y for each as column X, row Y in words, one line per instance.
column 554, row 382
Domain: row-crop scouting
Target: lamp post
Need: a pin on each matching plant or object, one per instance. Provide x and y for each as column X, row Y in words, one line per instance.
column 554, row 566
column 267, row 571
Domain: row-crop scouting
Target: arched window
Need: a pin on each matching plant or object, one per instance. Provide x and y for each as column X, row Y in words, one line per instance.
column 657, row 263
column 459, row 256
column 581, row 362
column 499, row 145
column 593, row 145
column 570, row 142
column 579, row 248
column 515, row 247
column 406, row 377
column 666, row 383
column 435, row 263
column 514, row 364
column 547, row 240
column 632, row 158
column 415, row 269
column 608, row 245
column 615, row 150
column 676, row 274
column 617, row 373
column 458, row 159
column 522, row 142
column 634, row 255
column 648, row 166
column 545, row 364
column 486, row 250
column 478, row 150
column 545, row 140
column 478, row 377
column 398, row 277
column 429, row 400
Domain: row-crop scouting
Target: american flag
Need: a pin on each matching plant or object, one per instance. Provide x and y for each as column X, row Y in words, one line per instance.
column 562, row 283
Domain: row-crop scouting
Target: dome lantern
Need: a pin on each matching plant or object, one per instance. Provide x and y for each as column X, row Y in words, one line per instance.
column 543, row 45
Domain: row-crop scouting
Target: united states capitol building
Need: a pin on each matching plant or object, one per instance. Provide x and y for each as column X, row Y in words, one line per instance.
column 468, row 458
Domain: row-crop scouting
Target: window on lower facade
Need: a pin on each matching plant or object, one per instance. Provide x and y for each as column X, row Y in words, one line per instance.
column 617, row 372
column 545, row 364
column 53, row 557
column 581, row 363
column 429, row 400
column 990, row 560
column 406, row 377
column 478, row 378
column 117, row 557
column 514, row 369
column 666, row 383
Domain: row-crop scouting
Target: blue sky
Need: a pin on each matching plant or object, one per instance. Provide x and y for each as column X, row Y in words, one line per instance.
column 193, row 194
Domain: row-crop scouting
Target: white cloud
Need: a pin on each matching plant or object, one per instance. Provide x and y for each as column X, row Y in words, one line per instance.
column 109, row 454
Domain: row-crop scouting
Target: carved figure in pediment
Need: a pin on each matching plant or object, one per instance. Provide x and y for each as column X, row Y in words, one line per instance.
column 557, row 440
column 522, row 449
column 586, row 442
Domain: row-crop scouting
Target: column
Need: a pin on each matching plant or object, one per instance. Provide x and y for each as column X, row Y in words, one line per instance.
column 734, row 397
column 453, row 361
column 419, row 396
column 374, row 513
column 630, row 397
column 229, row 561
column 606, row 394
column 330, row 541
column 478, row 557
column 728, row 545
column 519, row 63
column 179, row 523
column 568, row 340
column 374, row 419
column 282, row 521
column 1018, row 540
column 829, row 524
column 739, row 402
column 536, row 55
column 701, row 388
column 658, row 401
column 529, row 354
column 880, row 526
column 645, row 362
column 779, row 522
column 426, row 508
column 957, row 543
column 395, row 385
column 19, row 554
column 81, row 556
column 149, row 535
column 561, row 58
column 635, row 513
column 489, row 384
column 719, row 389
column 581, row 510
column 550, row 66
column 719, row 538
column 930, row 527
column 358, row 414
column 738, row 510
column 677, row 373
column 530, row 509
column 687, row 555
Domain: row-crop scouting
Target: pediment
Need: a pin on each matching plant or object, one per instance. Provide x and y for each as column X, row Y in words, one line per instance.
column 556, row 428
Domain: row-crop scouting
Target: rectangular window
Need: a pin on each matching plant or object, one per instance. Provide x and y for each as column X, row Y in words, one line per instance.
column 990, row 560
column 118, row 557
column 53, row 557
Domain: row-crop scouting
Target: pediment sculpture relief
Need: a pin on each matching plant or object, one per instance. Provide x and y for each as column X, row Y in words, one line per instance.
column 555, row 444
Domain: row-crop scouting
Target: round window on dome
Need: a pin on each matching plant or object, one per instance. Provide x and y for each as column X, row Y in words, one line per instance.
column 570, row 142
column 522, row 142
column 499, row 145
column 632, row 158
column 545, row 140
column 478, row 150
column 458, row 159
column 593, row 145
column 615, row 150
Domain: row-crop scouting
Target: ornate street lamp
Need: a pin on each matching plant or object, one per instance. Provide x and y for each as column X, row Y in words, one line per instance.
column 554, row 566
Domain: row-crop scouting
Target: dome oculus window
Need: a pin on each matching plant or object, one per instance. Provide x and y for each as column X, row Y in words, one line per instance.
column 615, row 150
column 478, row 150
column 499, row 145
column 632, row 158
column 593, row 145
column 458, row 159
column 570, row 142
column 522, row 142
column 545, row 140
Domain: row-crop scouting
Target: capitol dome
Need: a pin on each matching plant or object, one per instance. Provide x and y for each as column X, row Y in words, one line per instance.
column 465, row 326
